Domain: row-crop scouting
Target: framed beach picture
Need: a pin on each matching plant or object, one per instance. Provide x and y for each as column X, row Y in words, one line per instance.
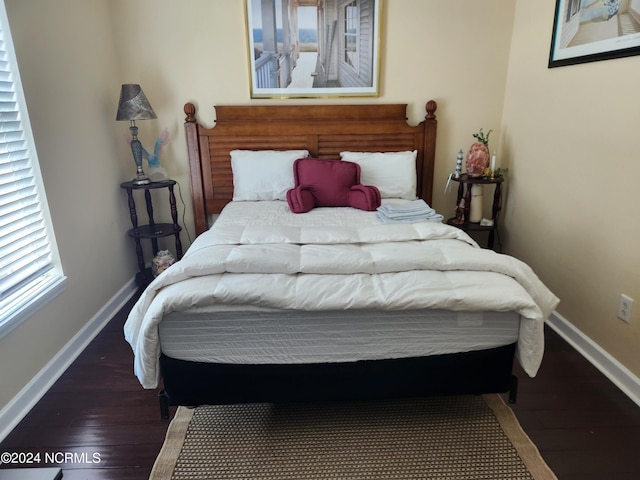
column 592, row 30
column 313, row 49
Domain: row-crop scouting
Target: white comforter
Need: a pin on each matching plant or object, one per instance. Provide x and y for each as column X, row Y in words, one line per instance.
column 358, row 265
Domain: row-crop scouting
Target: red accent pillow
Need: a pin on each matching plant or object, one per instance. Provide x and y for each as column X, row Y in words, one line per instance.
column 329, row 183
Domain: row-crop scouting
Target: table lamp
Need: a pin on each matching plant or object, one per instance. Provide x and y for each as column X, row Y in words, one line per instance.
column 134, row 106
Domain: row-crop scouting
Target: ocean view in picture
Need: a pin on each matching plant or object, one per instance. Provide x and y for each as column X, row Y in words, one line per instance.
column 322, row 48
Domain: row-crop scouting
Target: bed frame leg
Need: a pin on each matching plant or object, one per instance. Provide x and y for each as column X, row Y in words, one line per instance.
column 164, row 405
column 513, row 389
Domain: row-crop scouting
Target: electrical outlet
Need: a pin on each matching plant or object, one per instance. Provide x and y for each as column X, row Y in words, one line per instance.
column 624, row 308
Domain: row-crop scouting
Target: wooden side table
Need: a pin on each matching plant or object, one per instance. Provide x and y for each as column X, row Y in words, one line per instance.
column 151, row 231
column 465, row 193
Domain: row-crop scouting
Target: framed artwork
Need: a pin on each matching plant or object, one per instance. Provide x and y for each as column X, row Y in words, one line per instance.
column 313, row 49
column 593, row 30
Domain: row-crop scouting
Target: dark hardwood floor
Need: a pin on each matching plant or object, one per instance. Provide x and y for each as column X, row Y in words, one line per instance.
column 96, row 407
column 583, row 425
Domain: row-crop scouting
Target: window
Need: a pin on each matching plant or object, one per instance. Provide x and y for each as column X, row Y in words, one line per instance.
column 30, row 272
column 351, row 23
column 573, row 8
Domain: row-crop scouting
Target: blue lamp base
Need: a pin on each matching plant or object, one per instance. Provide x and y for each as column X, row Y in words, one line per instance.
column 136, row 148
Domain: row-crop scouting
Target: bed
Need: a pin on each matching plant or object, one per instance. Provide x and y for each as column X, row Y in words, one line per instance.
column 272, row 306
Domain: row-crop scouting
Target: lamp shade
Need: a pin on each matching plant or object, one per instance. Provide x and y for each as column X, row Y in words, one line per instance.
column 133, row 105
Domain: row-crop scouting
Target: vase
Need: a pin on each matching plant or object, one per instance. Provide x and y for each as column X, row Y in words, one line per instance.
column 477, row 159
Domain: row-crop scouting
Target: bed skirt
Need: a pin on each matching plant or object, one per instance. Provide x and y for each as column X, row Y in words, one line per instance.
column 483, row 371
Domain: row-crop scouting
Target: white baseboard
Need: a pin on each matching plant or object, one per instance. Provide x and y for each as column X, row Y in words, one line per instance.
column 26, row 399
column 622, row 377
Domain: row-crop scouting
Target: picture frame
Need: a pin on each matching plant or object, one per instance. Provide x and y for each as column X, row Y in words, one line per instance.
column 594, row 30
column 309, row 51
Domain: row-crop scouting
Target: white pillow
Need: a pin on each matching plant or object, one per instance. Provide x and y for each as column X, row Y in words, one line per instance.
column 263, row 174
column 394, row 173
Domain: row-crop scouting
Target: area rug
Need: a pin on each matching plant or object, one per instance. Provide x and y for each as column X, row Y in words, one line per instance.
column 457, row 437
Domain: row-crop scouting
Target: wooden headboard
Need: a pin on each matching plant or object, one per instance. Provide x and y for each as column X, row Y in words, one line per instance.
column 323, row 130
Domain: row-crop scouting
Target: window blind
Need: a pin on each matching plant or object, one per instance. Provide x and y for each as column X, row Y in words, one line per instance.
column 27, row 269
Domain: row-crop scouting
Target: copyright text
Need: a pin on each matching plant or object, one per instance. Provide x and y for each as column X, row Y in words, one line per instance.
column 53, row 458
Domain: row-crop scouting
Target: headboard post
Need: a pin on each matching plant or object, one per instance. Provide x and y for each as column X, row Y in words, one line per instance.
column 193, row 152
column 430, row 131
column 323, row 130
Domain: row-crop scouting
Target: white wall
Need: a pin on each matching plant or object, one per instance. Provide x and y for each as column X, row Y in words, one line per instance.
column 69, row 71
column 570, row 137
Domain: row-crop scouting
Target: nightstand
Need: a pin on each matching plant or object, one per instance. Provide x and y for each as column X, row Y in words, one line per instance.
column 468, row 182
column 151, row 231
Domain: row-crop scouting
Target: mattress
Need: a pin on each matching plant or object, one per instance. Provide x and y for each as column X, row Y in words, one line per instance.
column 267, row 336
column 258, row 256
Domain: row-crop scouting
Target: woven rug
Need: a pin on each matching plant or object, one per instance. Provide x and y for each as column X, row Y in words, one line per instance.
column 458, row 437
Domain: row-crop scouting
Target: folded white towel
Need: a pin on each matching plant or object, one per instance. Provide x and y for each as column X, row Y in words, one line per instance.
column 415, row 207
column 415, row 219
column 408, row 212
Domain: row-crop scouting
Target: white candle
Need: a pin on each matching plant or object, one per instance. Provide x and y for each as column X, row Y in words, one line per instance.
column 475, row 209
column 493, row 162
